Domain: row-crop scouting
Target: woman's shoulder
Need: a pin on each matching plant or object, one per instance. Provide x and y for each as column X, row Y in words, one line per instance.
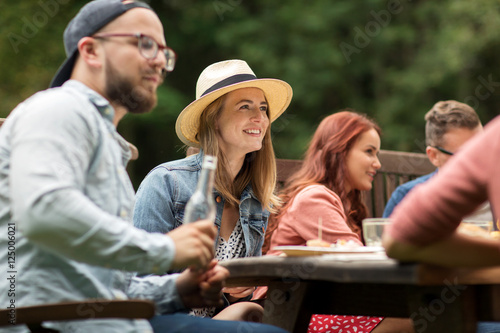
column 314, row 190
column 190, row 163
column 315, row 195
column 187, row 168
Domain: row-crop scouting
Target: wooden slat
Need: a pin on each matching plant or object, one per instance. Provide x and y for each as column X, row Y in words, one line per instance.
column 379, row 198
column 88, row 309
column 244, row 271
column 404, row 163
column 285, row 168
column 367, row 198
column 390, row 185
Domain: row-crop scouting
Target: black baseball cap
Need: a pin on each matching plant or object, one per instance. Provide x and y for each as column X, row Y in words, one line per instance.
column 90, row 19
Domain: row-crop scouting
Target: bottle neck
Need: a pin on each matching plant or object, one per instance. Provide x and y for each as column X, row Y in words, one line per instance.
column 206, row 181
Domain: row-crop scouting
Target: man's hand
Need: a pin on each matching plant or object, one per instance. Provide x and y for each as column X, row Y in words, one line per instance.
column 194, row 244
column 201, row 288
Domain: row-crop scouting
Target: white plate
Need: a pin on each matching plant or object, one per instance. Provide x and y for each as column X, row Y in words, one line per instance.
column 300, row 250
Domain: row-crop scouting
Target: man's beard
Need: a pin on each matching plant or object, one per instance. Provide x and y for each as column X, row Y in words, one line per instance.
column 120, row 91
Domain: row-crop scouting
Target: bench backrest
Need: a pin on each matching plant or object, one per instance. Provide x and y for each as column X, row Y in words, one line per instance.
column 397, row 168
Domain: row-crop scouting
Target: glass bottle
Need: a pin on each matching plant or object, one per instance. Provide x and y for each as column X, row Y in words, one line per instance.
column 201, row 205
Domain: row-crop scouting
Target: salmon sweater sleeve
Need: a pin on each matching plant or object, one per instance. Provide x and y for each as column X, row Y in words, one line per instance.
column 433, row 210
column 300, row 223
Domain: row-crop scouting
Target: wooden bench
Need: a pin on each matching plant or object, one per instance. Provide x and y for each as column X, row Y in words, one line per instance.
column 397, row 168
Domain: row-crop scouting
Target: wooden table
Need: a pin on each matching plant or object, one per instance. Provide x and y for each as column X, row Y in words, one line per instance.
column 437, row 299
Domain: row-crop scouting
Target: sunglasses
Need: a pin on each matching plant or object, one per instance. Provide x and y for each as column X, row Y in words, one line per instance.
column 444, row 151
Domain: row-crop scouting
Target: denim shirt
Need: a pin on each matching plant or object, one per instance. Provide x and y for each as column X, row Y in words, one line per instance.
column 163, row 194
column 66, row 203
column 402, row 190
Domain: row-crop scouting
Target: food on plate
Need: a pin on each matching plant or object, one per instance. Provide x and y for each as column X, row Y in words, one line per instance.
column 495, row 234
column 318, row 243
column 473, row 230
column 342, row 243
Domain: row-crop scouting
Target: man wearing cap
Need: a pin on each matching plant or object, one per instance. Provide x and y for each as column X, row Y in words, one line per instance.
column 65, row 193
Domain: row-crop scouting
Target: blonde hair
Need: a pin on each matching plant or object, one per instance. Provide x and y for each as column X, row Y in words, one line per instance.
column 259, row 167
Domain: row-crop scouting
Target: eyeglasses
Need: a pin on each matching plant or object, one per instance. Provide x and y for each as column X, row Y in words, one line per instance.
column 148, row 47
column 444, row 151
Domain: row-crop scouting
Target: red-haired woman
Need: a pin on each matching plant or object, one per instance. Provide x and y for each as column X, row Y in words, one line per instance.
column 341, row 161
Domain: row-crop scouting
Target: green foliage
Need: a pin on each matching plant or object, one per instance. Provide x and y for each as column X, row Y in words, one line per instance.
column 390, row 59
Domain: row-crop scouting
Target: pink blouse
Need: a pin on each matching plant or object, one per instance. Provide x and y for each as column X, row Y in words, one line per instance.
column 300, row 222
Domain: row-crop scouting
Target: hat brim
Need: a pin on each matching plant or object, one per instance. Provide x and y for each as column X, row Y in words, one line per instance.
column 278, row 94
column 64, row 72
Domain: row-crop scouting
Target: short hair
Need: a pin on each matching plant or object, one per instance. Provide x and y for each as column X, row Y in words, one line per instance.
column 446, row 115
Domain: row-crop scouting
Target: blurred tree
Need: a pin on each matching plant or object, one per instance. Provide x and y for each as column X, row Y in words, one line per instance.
column 390, row 59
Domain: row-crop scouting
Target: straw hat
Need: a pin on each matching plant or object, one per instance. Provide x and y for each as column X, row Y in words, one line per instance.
column 219, row 79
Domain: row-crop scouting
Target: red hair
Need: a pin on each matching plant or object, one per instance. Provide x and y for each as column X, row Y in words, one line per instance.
column 325, row 164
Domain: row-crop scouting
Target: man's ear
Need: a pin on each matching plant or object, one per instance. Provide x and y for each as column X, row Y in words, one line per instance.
column 89, row 50
column 432, row 155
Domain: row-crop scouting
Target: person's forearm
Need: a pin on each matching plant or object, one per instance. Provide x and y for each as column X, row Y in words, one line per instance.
column 50, row 204
column 68, row 223
column 160, row 289
column 454, row 251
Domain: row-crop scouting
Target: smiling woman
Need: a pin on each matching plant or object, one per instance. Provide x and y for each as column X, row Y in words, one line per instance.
column 341, row 161
column 243, row 122
column 231, row 119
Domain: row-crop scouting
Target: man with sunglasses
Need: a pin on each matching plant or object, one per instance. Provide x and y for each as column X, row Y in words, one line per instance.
column 66, row 197
column 449, row 124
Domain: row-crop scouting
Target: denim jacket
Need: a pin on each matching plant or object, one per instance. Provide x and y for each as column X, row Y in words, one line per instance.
column 163, row 194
